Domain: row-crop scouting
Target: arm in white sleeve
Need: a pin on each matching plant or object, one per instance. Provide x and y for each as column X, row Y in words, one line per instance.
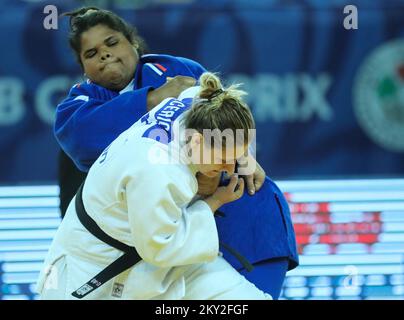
column 166, row 232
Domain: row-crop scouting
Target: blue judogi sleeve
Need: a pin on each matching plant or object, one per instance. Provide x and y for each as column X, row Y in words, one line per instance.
column 259, row 227
column 194, row 68
column 91, row 117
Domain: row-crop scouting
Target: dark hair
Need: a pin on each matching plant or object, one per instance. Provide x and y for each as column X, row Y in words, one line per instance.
column 87, row 17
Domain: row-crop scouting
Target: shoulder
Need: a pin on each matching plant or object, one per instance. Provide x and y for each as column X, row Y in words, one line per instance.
column 196, row 67
column 90, row 89
column 161, row 168
column 270, row 186
column 86, row 85
column 165, row 58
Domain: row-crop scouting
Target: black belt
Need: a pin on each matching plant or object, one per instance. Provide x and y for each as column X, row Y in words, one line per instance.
column 127, row 260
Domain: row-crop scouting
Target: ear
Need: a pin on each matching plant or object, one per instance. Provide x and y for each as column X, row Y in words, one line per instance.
column 195, row 147
column 196, row 140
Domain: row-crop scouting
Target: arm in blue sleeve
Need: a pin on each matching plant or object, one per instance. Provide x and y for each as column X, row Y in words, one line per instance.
column 194, row 67
column 86, row 122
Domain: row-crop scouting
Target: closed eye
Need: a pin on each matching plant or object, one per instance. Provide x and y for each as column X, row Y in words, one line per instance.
column 112, row 43
column 90, row 54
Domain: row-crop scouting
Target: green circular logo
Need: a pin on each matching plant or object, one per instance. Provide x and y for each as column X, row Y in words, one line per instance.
column 378, row 96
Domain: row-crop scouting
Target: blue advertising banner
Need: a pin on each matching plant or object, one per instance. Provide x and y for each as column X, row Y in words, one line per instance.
column 328, row 101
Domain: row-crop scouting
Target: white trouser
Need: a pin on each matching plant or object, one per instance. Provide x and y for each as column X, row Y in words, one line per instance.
column 207, row 281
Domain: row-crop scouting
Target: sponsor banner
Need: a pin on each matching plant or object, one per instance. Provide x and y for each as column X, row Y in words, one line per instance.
column 328, row 101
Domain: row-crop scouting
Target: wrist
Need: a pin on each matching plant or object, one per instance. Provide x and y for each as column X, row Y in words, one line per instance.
column 213, row 203
column 151, row 100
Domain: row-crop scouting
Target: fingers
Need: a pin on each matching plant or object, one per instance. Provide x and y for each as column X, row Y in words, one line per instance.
column 236, row 186
column 190, row 81
column 240, row 190
column 250, row 184
column 233, row 182
column 182, row 80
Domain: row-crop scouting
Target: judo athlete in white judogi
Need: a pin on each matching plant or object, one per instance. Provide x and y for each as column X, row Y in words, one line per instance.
column 138, row 212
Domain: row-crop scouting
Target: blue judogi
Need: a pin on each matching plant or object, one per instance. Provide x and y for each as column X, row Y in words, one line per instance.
column 258, row 226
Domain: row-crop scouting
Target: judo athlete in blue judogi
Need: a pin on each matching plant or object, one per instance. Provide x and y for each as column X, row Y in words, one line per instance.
column 123, row 85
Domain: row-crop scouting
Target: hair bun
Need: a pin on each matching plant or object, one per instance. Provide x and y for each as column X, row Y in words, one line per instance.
column 215, row 94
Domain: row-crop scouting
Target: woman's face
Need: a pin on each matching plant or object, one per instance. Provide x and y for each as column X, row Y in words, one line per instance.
column 212, row 161
column 108, row 58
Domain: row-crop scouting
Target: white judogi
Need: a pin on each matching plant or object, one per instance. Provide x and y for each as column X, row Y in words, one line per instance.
column 146, row 206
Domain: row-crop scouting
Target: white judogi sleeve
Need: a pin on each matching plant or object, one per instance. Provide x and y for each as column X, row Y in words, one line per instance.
column 166, row 233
